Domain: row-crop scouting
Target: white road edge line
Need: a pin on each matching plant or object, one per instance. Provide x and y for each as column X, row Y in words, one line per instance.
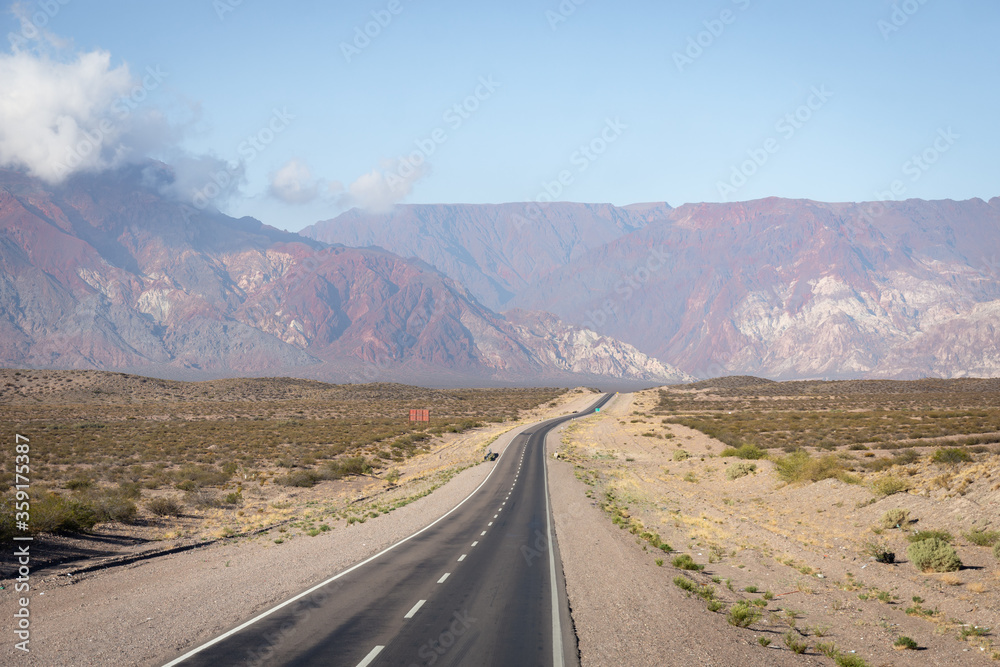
column 558, row 660
column 371, row 656
column 446, row 575
column 243, row 626
column 415, row 609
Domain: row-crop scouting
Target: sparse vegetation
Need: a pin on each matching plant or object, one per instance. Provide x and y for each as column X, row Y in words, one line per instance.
column 740, row 469
column 742, row 615
column 904, row 643
column 951, row 456
column 685, row 562
column 895, row 518
column 933, row 555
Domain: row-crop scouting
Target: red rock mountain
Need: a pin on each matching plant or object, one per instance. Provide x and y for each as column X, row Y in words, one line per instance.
column 494, row 250
column 104, row 272
column 775, row 287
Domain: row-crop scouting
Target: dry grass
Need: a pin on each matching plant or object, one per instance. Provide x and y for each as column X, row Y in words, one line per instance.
column 119, row 442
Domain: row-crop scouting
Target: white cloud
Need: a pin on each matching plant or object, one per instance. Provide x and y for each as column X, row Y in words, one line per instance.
column 381, row 189
column 59, row 117
column 294, row 183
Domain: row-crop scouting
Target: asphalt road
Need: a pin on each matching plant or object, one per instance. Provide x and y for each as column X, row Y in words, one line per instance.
column 477, row 587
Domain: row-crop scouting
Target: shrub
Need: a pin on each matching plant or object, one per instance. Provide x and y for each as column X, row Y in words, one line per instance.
column 800, row 467
column 905, row 643
column 742, row 615
column 921, row 535
column 933, row 555
column 112, row 506
column 299, row 478
column 233, row 498
column 752, row 452
column 846, row 660
column 996, row 550
column 164, row 506
column 951, row 455
column 684, row 583
column 681, row 455
column 741, row 469
column 895, row 518
column 983, row 538
column 889, row 485
column 685, row 562
column 52, row 513
column 879, row 551
column 793, row 643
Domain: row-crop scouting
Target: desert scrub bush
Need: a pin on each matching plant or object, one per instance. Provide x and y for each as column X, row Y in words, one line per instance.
column 904, row 644
column 741, row 469
column 52, row 513
column 933, row 555
column 794, row 643
column 110, row 505
column 921, row 535
column 888, row 486
column 996, row 550
column 951, row 456
column 846, row 660
column 751, row 452
column 164, row 506
column 983, row 537
column 895, row 518
column 684, row 583
column 799, row 467
column 685, row 562
column 878, row 550
column 681, row 455
column 299, row 478
column 742, row 615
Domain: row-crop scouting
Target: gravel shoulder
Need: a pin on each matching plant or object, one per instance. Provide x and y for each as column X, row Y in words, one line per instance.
column 148, row 612
column 801, row 544
column 625, row 609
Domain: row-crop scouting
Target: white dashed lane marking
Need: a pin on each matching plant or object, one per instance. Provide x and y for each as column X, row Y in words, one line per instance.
column 446, row 575
column 475, row 543
column 461, row 558
column 415, row 608
column 371, row 656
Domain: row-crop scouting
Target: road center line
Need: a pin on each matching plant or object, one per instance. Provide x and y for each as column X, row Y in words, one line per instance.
column 371, row 656
column 475, row 543
column 416, row 607
column 329, row 580
column 489, row 524
column 482, row 533
column 446, row 575
column 461, row 558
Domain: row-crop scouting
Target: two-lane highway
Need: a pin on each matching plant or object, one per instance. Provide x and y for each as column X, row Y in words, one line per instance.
column 481, row 585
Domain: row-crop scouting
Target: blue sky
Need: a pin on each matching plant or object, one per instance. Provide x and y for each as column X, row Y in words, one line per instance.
column 869, row 97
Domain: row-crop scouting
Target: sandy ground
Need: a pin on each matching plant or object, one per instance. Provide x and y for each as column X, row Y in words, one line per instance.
column 148, row 612
column 803, row 544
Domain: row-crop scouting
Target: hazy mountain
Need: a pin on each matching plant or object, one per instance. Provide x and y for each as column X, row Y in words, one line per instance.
column 496, row 251
column 792, row 288
column 105, row 273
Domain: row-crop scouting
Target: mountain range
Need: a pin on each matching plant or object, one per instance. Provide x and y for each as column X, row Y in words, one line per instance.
column 107, row 272
column 779, row 288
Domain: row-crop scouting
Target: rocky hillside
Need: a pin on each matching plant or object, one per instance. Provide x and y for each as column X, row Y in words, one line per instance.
column 105, row 273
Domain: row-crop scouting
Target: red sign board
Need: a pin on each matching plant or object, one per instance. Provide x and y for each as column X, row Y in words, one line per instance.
column 420, row 415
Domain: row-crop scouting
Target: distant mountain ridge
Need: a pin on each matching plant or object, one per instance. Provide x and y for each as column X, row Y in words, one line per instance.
column 104, row 272
column 496, row 251
column 778, row 288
